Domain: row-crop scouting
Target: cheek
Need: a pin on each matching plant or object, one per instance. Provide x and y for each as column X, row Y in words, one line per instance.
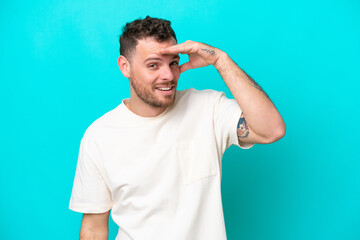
column 176, row 73
column 147, row 77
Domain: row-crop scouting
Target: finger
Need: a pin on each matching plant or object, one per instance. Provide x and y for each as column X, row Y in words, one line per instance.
column 180, row 45
column 177, row 50
column 186, row 66
column 183, row 48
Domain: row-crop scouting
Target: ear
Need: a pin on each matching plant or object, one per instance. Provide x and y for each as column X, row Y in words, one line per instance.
column 124, row 66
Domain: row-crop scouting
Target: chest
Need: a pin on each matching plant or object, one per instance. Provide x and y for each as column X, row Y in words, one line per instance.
column 159, row 159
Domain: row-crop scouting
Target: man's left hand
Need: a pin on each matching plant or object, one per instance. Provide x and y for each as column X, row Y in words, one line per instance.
column 200, row 54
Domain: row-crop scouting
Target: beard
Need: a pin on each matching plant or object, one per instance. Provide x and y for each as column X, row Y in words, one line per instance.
column 149, row 97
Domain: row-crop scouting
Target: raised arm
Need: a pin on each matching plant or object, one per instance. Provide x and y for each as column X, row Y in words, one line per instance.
column 260, row 121
column 94, row 226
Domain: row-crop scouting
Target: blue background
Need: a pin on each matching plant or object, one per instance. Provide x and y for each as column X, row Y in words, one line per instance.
column 58, row 73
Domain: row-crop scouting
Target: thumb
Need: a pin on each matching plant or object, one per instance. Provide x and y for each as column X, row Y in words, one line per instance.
column 186, row 66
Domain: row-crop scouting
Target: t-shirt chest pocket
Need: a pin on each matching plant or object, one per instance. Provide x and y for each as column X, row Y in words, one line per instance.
column 197, row 160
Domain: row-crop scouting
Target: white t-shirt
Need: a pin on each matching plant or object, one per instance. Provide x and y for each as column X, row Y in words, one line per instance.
column 160, row 176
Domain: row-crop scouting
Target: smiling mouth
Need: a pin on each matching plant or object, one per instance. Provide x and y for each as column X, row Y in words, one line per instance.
column 165, row 88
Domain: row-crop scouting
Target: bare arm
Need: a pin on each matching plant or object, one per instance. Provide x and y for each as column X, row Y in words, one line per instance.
column 260, row 121
column 263, row 122
column 94, row 226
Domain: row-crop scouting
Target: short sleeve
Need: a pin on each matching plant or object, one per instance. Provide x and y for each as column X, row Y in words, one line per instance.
column 227, row 113
column 90, row 193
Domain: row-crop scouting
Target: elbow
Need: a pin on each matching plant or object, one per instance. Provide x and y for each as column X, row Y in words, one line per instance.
column 278, row 133
column 281, row 132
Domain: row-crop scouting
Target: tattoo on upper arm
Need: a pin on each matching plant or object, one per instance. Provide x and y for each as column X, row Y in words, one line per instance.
column 211, row 52
column 242, row 128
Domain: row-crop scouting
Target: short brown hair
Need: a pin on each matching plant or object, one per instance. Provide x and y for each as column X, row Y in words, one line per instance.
column 158, row 28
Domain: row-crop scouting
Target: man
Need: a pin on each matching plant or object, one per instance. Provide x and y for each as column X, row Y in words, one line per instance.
column 155, row 160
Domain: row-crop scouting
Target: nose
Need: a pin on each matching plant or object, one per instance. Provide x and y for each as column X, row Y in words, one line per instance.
column 167, row 73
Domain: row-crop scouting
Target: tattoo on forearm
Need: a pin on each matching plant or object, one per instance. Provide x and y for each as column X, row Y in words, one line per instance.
column 255, row 85
column 242, row 128
column 211, row 52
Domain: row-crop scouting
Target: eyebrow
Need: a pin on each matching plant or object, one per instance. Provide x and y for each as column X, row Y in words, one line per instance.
column 160, row 59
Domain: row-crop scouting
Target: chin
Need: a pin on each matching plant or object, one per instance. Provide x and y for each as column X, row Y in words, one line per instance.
column 167, row 102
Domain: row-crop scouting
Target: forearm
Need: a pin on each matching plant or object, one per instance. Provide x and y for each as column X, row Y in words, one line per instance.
column 259, row 111
column 95, row 226
column 89, row 233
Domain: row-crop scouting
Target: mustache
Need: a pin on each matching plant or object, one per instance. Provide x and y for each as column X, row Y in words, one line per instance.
column 166, row 84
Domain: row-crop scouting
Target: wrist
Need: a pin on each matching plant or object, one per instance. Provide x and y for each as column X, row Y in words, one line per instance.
column 222, row 58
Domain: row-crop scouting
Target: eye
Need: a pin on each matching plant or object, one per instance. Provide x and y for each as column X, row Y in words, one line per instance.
column 152, row 66
column 174, row 63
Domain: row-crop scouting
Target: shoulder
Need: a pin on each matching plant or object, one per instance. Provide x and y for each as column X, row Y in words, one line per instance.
column 97, row 127
column 193, row 91
column 205, row 95
column 197, row 102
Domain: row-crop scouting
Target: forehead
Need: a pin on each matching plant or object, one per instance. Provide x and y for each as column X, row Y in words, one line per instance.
column 149, row 46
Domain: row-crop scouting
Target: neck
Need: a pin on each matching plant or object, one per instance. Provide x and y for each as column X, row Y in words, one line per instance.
column 142, row 109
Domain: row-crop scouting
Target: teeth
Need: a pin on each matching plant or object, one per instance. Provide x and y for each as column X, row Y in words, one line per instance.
column 165, row 89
